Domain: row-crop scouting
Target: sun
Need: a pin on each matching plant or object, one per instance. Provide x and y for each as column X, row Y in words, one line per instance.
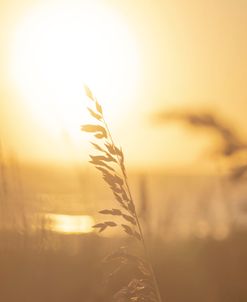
column 57, row 48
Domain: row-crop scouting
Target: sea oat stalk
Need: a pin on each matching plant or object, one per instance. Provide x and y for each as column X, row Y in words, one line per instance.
column 110, row 161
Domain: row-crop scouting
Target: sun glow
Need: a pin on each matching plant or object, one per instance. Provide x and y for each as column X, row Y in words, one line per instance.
column 70, row 224
column 58, row 48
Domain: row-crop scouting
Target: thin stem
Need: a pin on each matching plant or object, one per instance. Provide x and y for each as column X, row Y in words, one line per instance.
column 145, row 247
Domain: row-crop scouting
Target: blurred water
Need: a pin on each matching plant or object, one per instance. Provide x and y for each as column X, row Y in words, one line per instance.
column 170, row 206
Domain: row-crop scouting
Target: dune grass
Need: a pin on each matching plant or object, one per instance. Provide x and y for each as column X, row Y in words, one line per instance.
column 109, row 160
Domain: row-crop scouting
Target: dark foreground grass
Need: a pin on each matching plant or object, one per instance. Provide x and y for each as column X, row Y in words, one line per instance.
column 66, row 268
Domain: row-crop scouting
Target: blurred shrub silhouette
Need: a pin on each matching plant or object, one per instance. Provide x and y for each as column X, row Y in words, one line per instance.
column 230, row 145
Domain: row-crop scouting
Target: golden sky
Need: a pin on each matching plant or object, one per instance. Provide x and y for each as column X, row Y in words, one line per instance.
column 139, row 56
